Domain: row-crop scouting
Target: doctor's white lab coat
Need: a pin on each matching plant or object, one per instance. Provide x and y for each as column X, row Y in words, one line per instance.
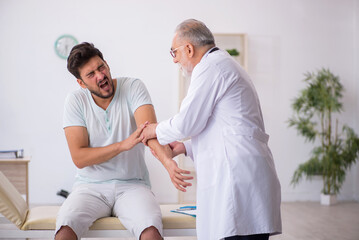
column 238, row 192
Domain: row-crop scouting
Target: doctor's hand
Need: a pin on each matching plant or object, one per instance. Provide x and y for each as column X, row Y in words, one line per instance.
column 134, row 138
column 177, row 175
column 177, row 148
column 149, row 132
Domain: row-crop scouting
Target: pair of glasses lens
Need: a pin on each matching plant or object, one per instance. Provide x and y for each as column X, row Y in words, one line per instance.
column 173, row 52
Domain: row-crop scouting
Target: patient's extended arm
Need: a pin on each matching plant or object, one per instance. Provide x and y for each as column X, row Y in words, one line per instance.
column 164, row 153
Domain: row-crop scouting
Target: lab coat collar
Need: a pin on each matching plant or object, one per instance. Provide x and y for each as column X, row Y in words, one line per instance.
column 211, row 50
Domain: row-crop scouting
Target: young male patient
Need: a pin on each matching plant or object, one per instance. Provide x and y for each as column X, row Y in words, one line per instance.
column 103, row 121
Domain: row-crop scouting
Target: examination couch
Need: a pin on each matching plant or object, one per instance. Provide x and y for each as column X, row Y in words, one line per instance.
column 39, row 222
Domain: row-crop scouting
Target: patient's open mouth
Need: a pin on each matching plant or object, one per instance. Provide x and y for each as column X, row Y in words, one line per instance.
column 104, row 84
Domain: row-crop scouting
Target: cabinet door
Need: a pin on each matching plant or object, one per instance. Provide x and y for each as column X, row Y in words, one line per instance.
column 17, row 175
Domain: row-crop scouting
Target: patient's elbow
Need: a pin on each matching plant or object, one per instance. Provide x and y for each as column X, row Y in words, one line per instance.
column 79, row 164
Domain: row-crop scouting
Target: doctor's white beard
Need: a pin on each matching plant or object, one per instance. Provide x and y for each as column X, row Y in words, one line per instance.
column 186, row 72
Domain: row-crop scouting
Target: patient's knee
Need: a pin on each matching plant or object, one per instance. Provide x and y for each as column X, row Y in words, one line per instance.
column 65, row 232
column 150, row 233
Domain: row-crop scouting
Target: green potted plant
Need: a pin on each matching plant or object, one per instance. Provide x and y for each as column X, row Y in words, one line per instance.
column 313, row 118
column 233, row 52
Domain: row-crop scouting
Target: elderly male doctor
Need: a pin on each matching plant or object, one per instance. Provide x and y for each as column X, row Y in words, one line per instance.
column 238, row 193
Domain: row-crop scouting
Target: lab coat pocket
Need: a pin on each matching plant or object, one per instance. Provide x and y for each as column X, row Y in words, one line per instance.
column 238, row 158
column 242, row 152
column 206, row 169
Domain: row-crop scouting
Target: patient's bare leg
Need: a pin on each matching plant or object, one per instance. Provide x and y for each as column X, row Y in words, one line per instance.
column 150, row 233
column 65, row 233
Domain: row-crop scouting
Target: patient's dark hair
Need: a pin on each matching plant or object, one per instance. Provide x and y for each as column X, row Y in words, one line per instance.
column 80, row 55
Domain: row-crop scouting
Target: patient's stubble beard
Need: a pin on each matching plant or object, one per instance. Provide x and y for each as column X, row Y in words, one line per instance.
column 100, row 95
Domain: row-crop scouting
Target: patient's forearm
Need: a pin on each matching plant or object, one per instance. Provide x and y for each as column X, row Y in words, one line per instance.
column 164, row 153
column 146, row 113
column 87, row 156
column 83, row 155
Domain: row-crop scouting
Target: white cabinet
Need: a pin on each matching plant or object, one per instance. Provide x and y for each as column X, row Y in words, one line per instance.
column 238, row 41
column 17, row 171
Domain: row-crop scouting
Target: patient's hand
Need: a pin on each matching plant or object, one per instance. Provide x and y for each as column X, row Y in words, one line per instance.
column 177, row 175
column 134, row 138
column 149, row 132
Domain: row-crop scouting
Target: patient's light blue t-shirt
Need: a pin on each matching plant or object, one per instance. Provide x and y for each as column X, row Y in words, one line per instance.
column 106, row 127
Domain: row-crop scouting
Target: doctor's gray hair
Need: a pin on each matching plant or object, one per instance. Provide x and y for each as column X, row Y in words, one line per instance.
column 196, row 32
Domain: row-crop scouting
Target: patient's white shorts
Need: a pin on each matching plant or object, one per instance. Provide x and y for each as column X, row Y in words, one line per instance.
column 134, row 204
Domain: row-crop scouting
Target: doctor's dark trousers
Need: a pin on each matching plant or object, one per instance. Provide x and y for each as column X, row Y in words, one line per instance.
column 249, row 237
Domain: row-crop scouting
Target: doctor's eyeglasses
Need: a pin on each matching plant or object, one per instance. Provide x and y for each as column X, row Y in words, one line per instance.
column 173, row 52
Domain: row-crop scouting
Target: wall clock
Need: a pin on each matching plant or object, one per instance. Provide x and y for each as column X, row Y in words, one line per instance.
column 64, row 44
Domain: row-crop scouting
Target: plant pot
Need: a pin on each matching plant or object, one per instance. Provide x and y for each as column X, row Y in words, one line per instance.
column 328, row 200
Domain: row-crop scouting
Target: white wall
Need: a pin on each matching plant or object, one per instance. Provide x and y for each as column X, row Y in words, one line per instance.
column 286, row 39
column 356, row 81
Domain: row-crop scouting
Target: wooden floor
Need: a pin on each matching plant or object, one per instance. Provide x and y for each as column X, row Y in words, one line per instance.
column 312, row 221
column 306, row 221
